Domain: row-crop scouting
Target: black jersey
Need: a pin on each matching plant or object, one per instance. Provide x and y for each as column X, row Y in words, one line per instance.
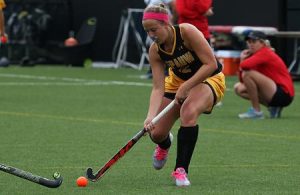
column 183, row 62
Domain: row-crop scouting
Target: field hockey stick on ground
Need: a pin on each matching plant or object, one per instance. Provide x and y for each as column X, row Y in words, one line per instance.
column 100, row 173
column 33, row 178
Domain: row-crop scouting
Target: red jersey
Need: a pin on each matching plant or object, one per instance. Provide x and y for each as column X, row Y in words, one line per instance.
column 192, row 11
column 267, row 62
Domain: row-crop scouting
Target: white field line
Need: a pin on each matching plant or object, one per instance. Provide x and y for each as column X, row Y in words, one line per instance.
column 75, row 84
column 122, row 123
column 64, row 81
column 71, row 82
column 68, row 81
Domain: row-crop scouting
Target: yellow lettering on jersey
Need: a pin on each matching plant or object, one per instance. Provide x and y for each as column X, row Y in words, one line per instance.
column 184, row 59
column 185, row 69
column 188, row 57
column 177, row 62
column 182, row 62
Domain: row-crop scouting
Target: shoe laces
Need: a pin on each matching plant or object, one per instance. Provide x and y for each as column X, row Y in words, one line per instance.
column 160, row 153
column 253, row 111
column 179, row 174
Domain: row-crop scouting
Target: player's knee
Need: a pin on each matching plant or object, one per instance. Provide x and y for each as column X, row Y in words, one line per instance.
column 237, row 88
column 157, row 137
column 188, row 116
column 249, row 75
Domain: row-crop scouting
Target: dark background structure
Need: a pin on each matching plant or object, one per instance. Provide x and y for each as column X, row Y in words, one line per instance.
column 68, row 15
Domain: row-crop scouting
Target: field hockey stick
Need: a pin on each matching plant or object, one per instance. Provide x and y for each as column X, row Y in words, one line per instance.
column 100, row 173
column 33, row 178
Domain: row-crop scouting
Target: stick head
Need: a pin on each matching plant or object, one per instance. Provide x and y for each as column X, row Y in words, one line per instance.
column 51, row 183
column 90, row 175
column 58, row 180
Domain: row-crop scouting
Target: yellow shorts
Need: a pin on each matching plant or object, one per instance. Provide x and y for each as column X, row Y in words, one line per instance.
column 216, row 83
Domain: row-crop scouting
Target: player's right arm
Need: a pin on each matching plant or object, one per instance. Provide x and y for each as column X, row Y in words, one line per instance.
column 158, row 82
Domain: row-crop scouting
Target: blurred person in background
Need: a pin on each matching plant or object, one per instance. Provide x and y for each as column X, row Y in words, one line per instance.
column 264, row 78
column 2, row 21
column 195, row 12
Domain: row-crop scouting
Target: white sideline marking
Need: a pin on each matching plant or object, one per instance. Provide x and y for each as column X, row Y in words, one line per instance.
column 69, row 81
column 122, row 123
column 74, row 84
column 79, row 82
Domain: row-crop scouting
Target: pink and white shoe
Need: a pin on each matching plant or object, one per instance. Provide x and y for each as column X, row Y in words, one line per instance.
column 180, row 177
column 160, row 156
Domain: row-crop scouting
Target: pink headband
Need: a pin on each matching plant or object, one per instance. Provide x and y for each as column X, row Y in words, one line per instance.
column 156, row 16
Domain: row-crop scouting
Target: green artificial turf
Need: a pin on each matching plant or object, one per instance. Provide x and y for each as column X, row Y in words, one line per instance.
column 67, row 119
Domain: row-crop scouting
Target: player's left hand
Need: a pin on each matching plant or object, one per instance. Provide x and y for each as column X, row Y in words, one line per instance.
column 181, row 94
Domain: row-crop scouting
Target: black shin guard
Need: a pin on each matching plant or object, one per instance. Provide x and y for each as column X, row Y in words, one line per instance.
column 166, row 143
column 186, row 141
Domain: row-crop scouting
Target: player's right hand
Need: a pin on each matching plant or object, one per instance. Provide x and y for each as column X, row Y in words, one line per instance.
column 148, row 125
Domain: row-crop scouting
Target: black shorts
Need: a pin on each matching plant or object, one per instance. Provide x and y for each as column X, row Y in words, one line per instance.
column 280, row 98
column 170, row 96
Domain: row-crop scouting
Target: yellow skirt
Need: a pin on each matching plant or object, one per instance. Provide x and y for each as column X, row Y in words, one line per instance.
column 217, row 83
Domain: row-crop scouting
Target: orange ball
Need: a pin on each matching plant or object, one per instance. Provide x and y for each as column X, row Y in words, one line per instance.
column 71, row 42
column 82, row 181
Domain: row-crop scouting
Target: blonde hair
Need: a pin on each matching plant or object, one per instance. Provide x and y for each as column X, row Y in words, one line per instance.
column 268, row 44
column 157, row 8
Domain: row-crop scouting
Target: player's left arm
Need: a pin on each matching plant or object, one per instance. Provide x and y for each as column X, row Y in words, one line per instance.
column 195, row 41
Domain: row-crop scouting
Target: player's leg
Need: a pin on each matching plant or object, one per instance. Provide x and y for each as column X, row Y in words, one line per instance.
column 201, row 99
column 241, row 90
column 161, row 134
column 260, row 87
column 187, row 135
column 260, row 90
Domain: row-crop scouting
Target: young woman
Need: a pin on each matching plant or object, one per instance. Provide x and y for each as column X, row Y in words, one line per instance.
column 195, row 81
column 264, row 78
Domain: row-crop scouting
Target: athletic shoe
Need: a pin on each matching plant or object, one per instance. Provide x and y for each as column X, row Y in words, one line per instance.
column 160, row 156
column 252, row 114
column 180, row 177
column 275, row 112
